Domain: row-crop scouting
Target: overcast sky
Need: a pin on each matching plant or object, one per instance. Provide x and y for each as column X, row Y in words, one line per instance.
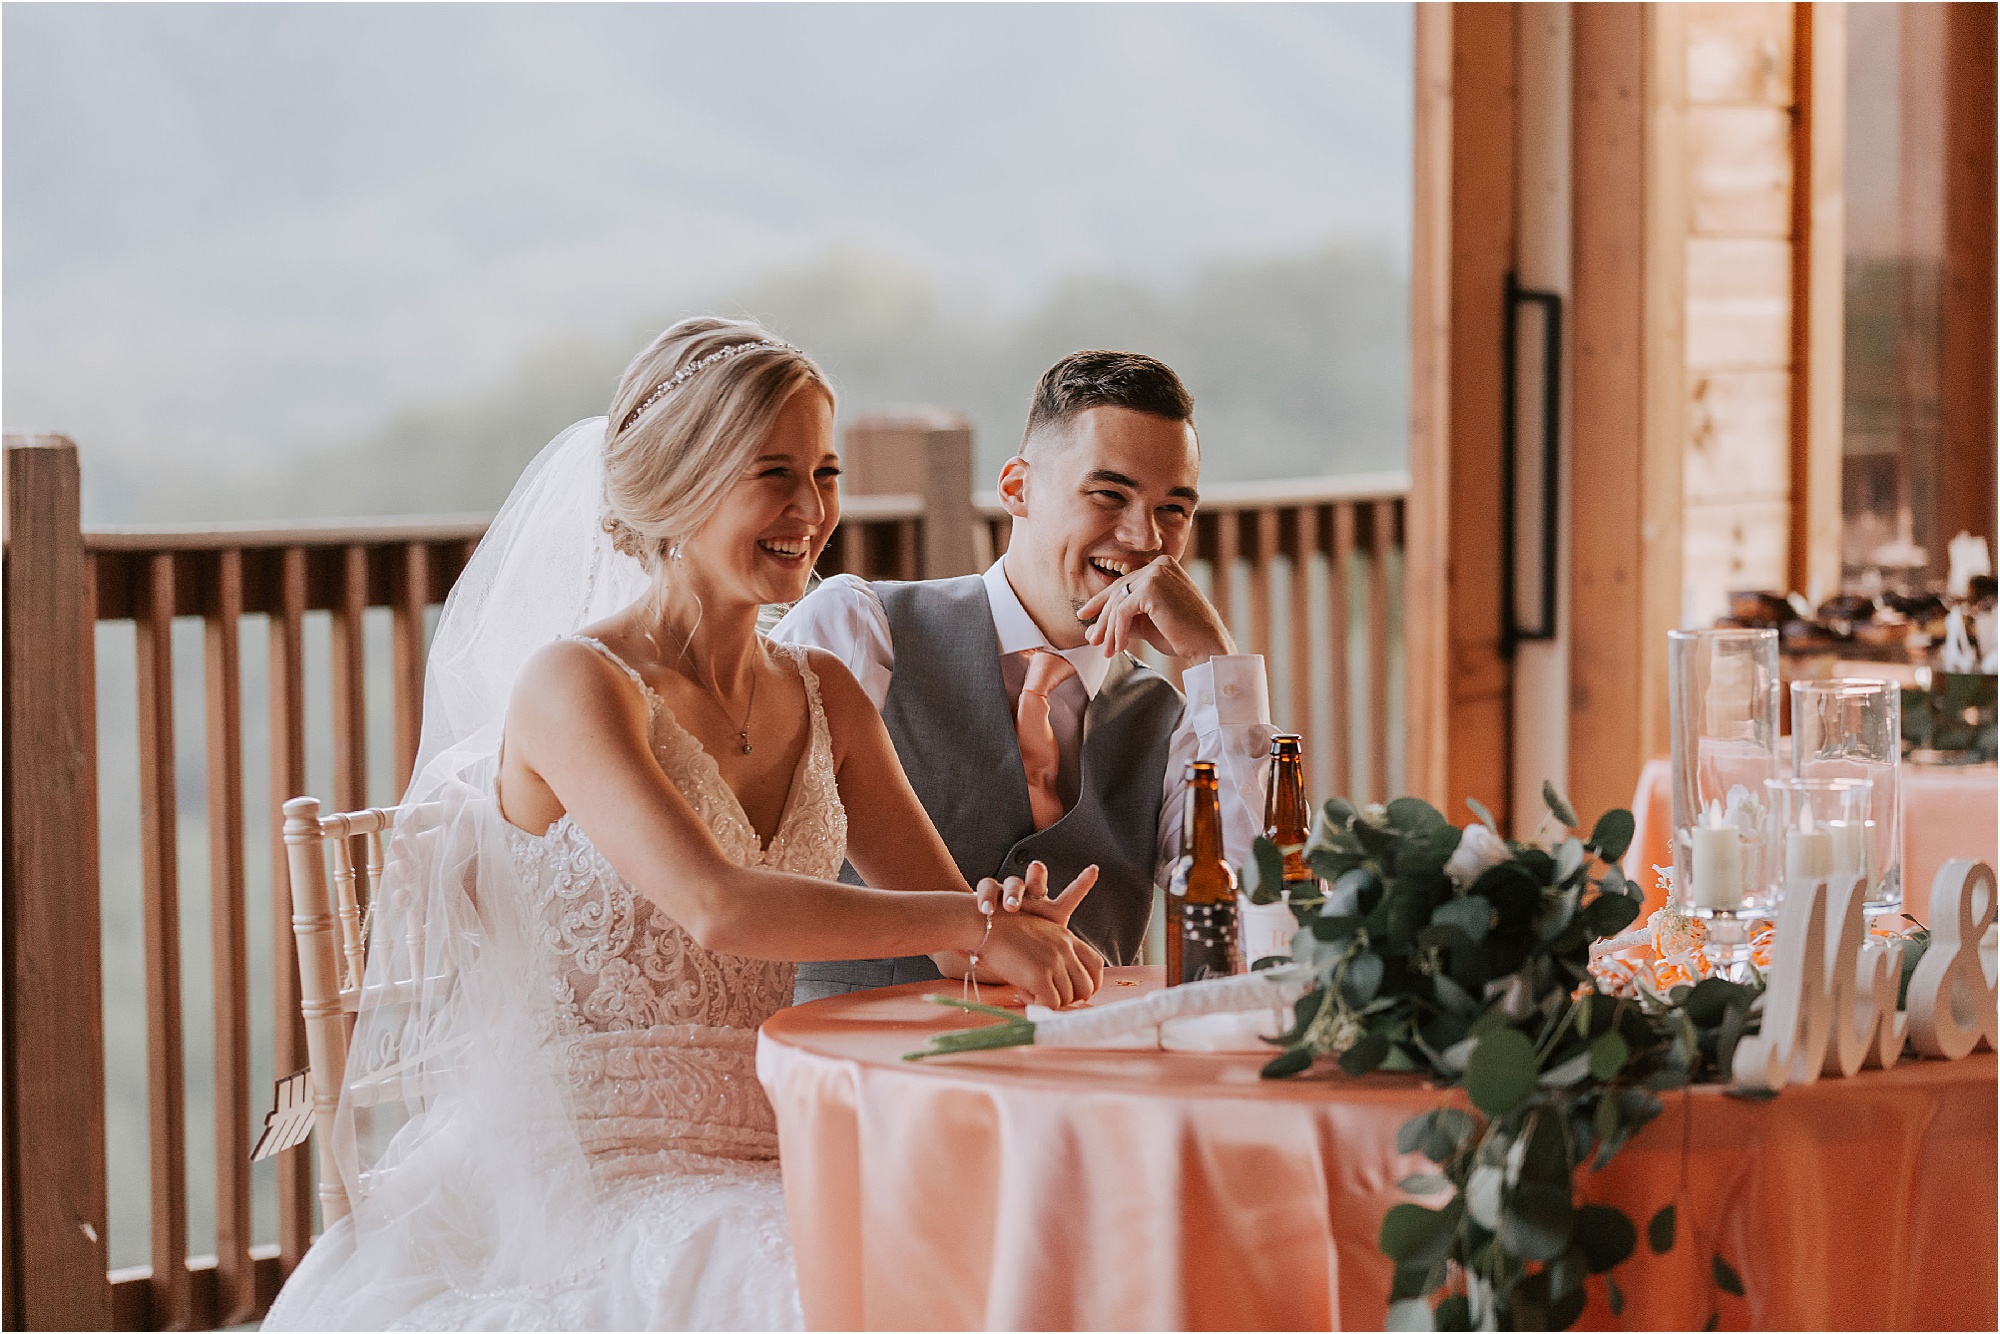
column 233, row 229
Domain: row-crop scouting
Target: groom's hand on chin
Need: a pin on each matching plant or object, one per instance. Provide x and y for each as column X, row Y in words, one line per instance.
column 1160, row 603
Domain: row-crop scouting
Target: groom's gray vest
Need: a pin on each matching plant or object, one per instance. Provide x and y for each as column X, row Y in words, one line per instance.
column 949, row 715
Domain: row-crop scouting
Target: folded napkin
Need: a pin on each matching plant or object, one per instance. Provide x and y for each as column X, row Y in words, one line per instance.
column 1232, row 1031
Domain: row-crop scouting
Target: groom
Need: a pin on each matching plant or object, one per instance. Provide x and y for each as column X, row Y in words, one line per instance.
column 1027, row 731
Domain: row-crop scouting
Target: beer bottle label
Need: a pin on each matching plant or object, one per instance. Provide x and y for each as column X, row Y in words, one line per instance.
column 1208, row 940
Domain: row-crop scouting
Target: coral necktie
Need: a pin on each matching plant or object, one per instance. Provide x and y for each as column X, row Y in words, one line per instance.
column 1039, row 757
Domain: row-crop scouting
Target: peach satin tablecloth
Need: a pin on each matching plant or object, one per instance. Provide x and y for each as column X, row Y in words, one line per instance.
column 1948, row 811
column 1050, row 1189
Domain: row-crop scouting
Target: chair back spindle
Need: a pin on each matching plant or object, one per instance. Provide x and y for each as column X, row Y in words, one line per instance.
column 331, row 975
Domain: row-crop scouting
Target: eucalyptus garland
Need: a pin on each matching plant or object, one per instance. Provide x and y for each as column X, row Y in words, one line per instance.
column 1464, row 956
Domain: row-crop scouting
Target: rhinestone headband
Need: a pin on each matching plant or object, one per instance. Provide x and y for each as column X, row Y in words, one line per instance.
column 681, row 376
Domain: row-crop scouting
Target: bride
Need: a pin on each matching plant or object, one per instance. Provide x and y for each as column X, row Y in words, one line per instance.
column 633, row 810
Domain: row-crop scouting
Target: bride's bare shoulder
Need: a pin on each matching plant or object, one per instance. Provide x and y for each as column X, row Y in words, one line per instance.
column 849, row 711
column 568, row 680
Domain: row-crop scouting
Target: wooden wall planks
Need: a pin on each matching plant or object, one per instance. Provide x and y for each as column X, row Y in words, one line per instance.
column 1737, row 155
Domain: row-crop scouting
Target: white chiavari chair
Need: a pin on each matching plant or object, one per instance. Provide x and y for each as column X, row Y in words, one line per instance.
column 331, row 971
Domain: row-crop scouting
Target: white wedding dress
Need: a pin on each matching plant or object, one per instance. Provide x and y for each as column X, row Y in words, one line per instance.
column 681, row 1219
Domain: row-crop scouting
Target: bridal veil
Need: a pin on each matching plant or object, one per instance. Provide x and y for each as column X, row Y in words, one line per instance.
column 453, row 1133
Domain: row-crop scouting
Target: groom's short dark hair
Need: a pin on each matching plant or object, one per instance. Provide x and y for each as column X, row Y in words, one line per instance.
column 1101, row 379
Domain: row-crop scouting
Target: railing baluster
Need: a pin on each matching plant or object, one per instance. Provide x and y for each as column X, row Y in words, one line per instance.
column 411, row 593
column 1381, row 529
column 288, row 780
column 1339, row 567
column 236, row 1294
column 350, row 671
column 159, row 852
column 1224, row 564
column 1260, row 581
column 1305, row 539
column 907, row 549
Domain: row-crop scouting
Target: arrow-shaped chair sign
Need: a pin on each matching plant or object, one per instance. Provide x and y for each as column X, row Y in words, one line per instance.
column 291, row 1120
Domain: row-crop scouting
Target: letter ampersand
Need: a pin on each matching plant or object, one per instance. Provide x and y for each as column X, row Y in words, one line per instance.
column 1952, row 999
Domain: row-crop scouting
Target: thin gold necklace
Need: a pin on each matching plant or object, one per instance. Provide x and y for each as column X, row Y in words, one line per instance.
column 714, row 696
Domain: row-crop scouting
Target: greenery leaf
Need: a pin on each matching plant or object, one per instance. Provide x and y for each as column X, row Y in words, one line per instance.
column 1416, row 1237
column 1478, row 808
column 1412, row 1313
column 1614, row 882
column 1562, row 1076
column 1437, row 1134
column 1288, row 1062
column 1424, row 1183
column 1482, row 1196
column 1605, row 1120
column 1726, row 1278
column 1454, row 1313
column 1536, row 1222
column 1471, row 915
column 1569, row 856
column 1263, row 879
column 1558, row 807
column 1566, row 1273
column 1501, row 1072
column 1364, row 1055
column 1606, row 1236
column 1454, row 997
column 1413, row 815
column 1361, row 979
column 1612, row 835
column 1614, row 1295
column 1660, row 1232
column 1608, row 914
column 1714, row 1321
column 1608, row 1055
column 1711, row 997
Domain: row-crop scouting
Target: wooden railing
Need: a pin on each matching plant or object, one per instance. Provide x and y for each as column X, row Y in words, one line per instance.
column 1307, row 567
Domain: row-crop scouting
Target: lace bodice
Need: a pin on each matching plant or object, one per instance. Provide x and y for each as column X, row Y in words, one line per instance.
column 664, row 1031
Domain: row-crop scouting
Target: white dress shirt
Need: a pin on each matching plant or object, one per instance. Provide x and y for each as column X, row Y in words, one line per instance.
column 1227, row 721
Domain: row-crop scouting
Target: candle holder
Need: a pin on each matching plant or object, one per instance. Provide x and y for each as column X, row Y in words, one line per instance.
column 1723, row 713
column 1819, row 828
column 1853, row 729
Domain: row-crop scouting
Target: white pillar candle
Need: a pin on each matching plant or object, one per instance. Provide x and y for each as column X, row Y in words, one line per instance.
column 1850, row 847
column 1808, row 853
column 1718, row 867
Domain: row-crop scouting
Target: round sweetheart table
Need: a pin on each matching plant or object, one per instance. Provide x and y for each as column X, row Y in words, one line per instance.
column 1138, row 1189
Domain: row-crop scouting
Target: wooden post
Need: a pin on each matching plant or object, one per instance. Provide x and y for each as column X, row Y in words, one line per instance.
column 1483, row 227
column 1967, row 345
column 54, row 1024
column 927, row 452
column 1628, row 395
column 1427, row 561
column 1819, row 279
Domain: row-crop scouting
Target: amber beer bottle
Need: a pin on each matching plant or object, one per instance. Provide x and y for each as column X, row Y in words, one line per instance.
column 1287, row 820
column 1201, row 893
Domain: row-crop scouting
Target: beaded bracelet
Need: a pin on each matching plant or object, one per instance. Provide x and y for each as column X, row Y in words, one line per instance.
column 971, row 986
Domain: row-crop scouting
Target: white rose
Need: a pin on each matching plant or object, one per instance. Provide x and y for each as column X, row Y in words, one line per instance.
column 1478, row 850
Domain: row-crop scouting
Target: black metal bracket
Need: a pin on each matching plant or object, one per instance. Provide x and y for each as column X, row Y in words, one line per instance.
column 1512, row 629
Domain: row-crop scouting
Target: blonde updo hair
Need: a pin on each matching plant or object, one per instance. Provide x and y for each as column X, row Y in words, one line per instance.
column 670, row 457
